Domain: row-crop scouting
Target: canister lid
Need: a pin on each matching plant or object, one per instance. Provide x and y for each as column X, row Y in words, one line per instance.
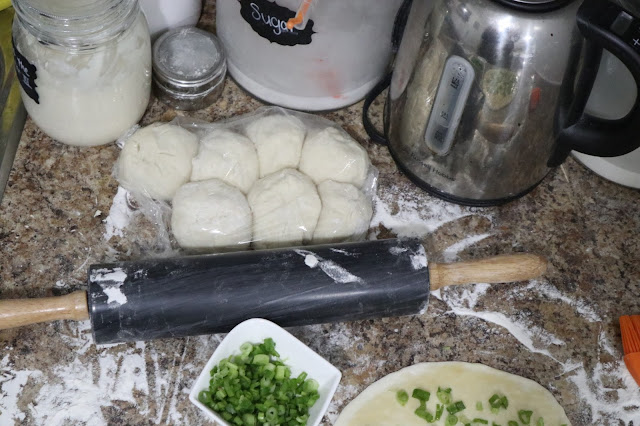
column 188, row 60
column 535, row 5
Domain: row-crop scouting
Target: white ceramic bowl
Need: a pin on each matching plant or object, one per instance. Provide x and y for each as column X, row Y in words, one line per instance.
column 292, row 351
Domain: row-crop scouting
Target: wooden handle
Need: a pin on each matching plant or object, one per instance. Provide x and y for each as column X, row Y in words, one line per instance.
column 19, row 312
column 498, row 269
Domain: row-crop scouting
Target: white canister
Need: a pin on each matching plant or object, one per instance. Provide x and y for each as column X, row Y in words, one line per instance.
column 340, row 52
column 84, row 67
column 163, row 15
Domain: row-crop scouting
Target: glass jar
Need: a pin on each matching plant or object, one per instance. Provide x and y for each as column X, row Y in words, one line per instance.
column 84, row 67
column 189, row 67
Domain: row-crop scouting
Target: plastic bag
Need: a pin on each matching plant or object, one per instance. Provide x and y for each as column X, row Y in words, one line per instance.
column 271, row 178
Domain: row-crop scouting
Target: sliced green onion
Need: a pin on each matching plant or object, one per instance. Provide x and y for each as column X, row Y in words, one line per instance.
column 402, row 397
column 540, row 422
column 420, row 394
column 479, row 406
column 451, row 420
column 256, row 387
column 525, row 416
column 456, row 407
column 439, row 411
column 481, row 421
column 513, row 423
column 496, row 402
column 424, row 414
column 260, row 359
column 444, row 395
column 311, row 385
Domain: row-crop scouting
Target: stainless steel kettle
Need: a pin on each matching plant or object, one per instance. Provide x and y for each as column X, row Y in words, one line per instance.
column 487, row 96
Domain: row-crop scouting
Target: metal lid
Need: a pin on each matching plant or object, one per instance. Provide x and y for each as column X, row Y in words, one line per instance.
column 188, row 61
column 535, row 5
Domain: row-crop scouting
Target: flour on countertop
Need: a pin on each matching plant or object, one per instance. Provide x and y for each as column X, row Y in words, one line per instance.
column 607, row 404
column 78, row 391
column 405, row 214
column 119, row 215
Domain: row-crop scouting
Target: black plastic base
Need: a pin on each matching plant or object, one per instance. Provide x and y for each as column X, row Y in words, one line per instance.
column 534, row 7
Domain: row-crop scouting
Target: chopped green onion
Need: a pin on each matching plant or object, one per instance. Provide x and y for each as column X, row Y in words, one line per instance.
column 420, row 394
column 451, row 420
column 256, row 387
column 481, row 421
column 479, row 406
column 525, row 416
column 402, row 397
column 456, row 407
column 424, row 414
column 444, row 395
column 494, row 424
column 513, row 423
column 540, row 422
column 439, row 411
column 261, row 359
column 496, row 402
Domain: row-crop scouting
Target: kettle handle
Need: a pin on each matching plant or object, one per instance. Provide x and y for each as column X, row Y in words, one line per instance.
column 592, row 135
column 396, row 38
column 375, row 135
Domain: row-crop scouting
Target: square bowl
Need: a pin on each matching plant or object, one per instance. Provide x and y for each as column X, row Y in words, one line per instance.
column 295, row 354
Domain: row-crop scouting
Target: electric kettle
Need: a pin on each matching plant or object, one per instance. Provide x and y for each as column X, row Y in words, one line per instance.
column 487, row 96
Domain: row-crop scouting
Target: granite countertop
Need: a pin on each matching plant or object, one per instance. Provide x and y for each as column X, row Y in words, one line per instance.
column 561, row 330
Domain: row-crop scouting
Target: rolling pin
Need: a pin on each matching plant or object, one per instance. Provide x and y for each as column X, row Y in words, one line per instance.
column 206, row 294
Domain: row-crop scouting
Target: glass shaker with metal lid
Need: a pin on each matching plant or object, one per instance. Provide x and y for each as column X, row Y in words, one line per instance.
column 84, row 66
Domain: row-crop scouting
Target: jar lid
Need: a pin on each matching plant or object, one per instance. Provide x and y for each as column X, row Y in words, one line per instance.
column 80, row 24
column 188, row 60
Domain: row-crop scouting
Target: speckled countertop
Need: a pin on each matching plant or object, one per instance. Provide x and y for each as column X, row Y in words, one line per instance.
column 561, row 331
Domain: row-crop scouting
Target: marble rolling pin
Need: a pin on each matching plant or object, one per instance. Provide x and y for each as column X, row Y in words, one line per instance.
column 194, row 295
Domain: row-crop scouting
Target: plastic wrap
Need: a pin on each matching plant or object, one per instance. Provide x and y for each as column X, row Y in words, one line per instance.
column 271, row 178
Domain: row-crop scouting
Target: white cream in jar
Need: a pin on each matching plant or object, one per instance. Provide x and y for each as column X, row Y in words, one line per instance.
column 86, row 74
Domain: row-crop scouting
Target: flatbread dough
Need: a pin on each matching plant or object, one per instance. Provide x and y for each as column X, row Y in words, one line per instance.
column 278, row 140
column 285, row 207
column 156, row 160
column 345, row 215
column 227, row 156
column 211, row 215
column 333, row 154
column 470, row 383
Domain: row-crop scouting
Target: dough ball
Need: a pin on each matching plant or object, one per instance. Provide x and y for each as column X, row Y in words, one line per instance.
column 331, row 154
column 211, row 214
column 156, row 160
column 278, row 140
column 227, row 156
column 285, row 208
column 345, row 215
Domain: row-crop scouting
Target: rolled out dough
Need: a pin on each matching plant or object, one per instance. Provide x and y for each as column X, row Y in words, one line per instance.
column 470, row 383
